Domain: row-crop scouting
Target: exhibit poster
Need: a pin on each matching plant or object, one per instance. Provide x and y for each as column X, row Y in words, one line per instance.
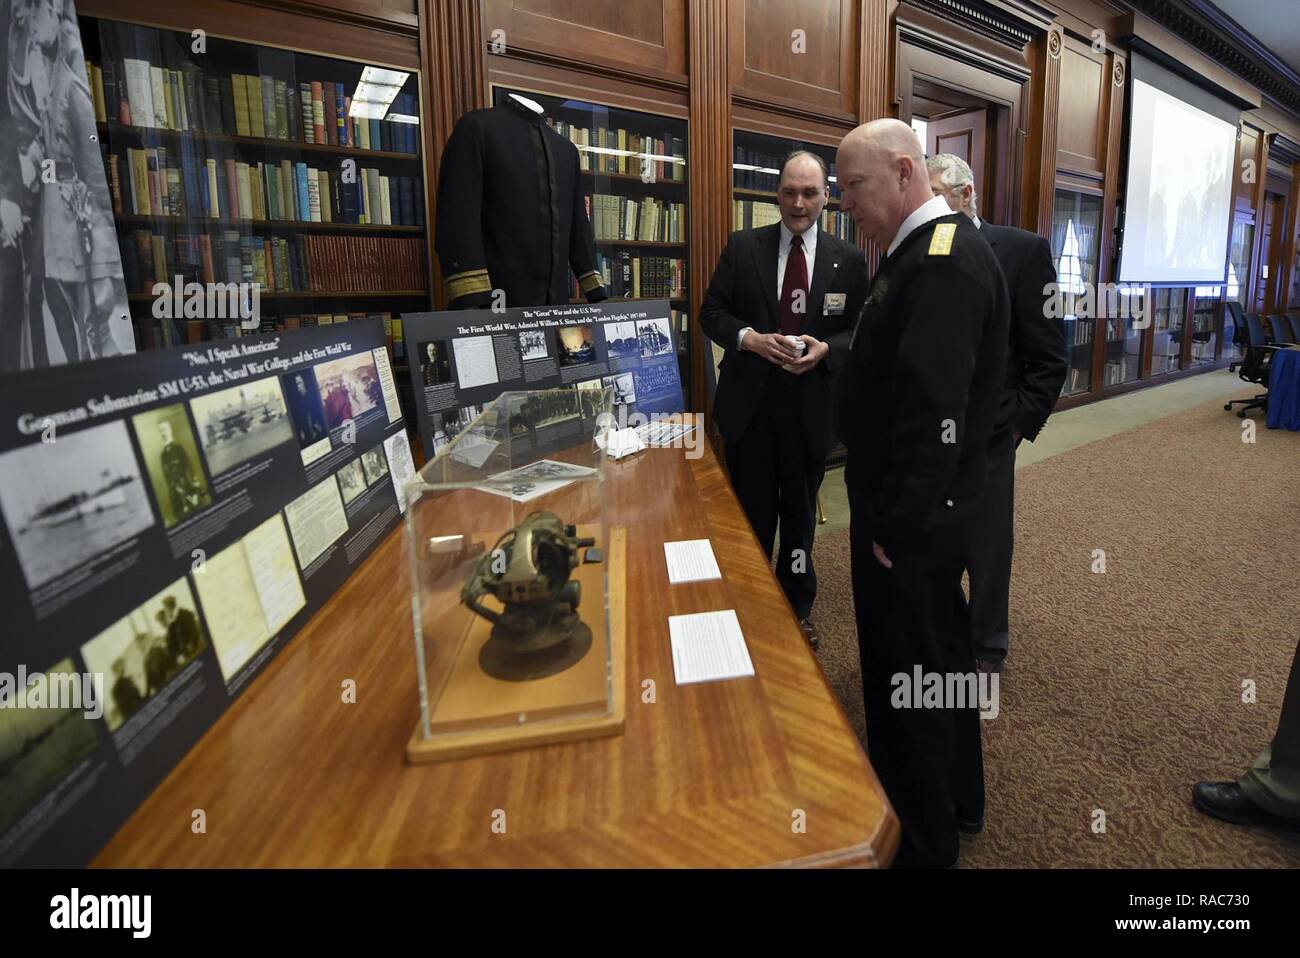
column 463, row 359
column 62, row 296
column 168, row 521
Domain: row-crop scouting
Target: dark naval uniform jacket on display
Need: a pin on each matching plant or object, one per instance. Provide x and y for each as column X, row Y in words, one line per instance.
column 915, row 406
column 1036, row 368
column 511, row 214
column 743, row 293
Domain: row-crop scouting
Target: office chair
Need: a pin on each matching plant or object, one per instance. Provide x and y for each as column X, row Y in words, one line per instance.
column 1255, row 366
column 1239, row 332
column 1295, row 326
column 1281, row 330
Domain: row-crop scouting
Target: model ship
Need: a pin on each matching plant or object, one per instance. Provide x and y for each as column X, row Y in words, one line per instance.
column 538, row 632
column 81, row 505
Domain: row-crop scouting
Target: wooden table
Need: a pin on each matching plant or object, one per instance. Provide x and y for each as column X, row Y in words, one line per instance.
column 710, row 775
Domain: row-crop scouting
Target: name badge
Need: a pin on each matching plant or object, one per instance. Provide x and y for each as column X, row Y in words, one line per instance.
column 833, row 304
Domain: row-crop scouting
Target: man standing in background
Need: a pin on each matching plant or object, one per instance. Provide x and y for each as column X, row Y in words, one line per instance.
column 1036, row 369
column 774, row 287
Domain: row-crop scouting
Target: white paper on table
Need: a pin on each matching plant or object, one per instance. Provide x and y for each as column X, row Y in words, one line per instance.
column 618, row 443
column 708, row 647
column 691, row 561
column 660, row 433
column 473, row 449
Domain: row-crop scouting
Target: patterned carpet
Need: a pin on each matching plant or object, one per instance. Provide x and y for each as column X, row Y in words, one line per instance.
column 1123, row 689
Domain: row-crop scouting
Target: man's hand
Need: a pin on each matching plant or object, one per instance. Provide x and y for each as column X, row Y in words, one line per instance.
column 11, row 222
column 814, row 354
column 879, row 553
column 773, row 347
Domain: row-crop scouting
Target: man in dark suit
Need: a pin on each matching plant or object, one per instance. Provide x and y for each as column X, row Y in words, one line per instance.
column 915, row 406
column 774, row 287
column 1036, row 369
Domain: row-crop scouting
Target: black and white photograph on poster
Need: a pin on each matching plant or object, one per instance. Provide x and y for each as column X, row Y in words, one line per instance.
column 536, row 410
column 591, row 397
column 401, row 467
column 305, row 408
column 352, row 481
column 372, row 461
column 621, row 339
column 66, row 501
column 576, row 346
column 655, row 337
column 171, row 458
column 144, row 650
column 62, row 297
column 624, row 388
column 241, row 422
column 435, row 363
column 349, row 388
column 532, row 344
column 450, row 424
column 39, row 747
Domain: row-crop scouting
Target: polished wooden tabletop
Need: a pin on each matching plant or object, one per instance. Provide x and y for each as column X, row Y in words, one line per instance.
column 748, row 772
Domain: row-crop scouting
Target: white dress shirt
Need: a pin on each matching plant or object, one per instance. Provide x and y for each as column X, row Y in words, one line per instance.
column 809, row 237
column 931, row 209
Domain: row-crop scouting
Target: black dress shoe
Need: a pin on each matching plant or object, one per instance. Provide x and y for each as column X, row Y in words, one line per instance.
column 971, row 827
column 810, row 632
column 1226, row 801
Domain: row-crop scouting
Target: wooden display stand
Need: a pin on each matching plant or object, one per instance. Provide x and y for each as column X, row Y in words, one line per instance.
column 472, row 698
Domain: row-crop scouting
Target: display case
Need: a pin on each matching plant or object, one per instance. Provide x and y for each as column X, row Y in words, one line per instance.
column 1076, row 251
column 293, row 178
column 517, row 581
column 1132, row 312
column 1208, row 315
column 633, row 178
column 755, row 172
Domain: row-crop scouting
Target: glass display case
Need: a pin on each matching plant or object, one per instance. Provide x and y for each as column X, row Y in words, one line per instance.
column 755, row 171
column 1239, row 259
column 516, row 581
column 1208, row 314
column 1122, row 359
column 293, row 178
column 1169, row 307
column 1076, row 251
column 635, row 185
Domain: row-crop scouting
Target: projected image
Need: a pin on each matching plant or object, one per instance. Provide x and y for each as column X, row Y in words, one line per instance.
column 1179, row 196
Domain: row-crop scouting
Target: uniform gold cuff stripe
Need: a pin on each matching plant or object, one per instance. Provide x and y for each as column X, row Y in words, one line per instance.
column 590, row 281
column 467, row 283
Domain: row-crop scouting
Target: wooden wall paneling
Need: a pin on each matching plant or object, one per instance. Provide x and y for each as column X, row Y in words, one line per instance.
column 452, row 53
column 1116, row 98
column 963, row 134
column 874, row 98
column 1290, row 242
column 645, row 38
column 354, row 31
column 709, row 168
column 1257, row 204
column 798, row 54
column 1041, row 148
column 1082, row 118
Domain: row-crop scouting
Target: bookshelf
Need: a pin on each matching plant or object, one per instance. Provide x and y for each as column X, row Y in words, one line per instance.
column 1076, row 252
column 239, row 164
column 633, row 177
column 755, row 172
column 1207, row 318
column 1169, row 309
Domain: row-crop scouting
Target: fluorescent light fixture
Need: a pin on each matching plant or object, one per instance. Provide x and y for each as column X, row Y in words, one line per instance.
column 649, row 156
column 384, row 77
column 368, row 111
column 404, row 118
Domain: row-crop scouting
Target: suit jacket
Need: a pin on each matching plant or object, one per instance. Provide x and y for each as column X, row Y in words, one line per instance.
column 1036, row 357
column 917, row 400
column 743, row 293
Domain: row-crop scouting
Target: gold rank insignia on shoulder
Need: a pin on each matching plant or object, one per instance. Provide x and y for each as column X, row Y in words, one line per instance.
column 941, row 240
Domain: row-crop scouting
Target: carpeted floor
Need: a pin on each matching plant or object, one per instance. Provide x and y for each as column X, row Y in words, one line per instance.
column 1123, row 689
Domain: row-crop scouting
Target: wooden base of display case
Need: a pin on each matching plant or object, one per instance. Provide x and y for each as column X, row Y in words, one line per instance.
column 474, row 687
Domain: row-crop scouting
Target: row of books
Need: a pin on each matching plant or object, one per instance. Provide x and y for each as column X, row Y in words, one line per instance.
column 158, row 182
column 1078, row 332
column 635, row 154
column 647, row 219
column 628, row 276
column 278, row 264
column 139, row 93
column 749, row 166
column 1078, row 379
column 747, row 214
column 1118, row 371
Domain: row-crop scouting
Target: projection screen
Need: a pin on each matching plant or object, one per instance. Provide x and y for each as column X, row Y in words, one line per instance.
column 1178, row 199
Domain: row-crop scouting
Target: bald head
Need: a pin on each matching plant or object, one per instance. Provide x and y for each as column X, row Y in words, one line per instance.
column 882, row 176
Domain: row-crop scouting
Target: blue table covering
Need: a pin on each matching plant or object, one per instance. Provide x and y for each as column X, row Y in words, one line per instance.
column 1284, row 390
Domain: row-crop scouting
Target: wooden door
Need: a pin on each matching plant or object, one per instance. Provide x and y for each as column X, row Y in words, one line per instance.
column 962, row 134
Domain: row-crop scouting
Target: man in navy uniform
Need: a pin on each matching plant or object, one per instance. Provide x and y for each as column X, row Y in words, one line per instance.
column 1036, row 368
column 775, row 286
column 915, row 406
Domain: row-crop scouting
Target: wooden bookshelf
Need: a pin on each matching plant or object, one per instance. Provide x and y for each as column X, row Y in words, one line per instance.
column 293, row 146
column 296, row 226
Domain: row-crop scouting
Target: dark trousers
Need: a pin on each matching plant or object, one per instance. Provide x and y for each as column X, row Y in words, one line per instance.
column 990, row 566
column 1273, row 782
column 776, row 481
column 929, row 760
